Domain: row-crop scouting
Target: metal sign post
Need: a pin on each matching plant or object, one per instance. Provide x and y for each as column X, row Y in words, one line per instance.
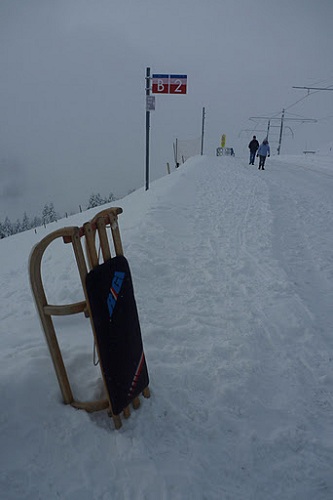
column 161, row 84
column 202, row 130
column 147, row 126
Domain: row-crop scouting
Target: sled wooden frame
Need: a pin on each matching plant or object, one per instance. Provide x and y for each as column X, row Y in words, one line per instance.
column 86, row 261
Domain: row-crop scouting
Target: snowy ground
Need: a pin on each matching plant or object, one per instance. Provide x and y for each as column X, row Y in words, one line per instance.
column 233, row 275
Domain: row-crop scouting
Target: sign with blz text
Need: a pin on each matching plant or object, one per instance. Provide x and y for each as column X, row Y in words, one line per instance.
column 169, row 84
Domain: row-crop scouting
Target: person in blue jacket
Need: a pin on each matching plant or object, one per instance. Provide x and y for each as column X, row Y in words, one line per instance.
column 263, row 152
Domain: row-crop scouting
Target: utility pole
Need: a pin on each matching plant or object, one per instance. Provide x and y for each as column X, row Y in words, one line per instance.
column 268, row 127
column 202, row 130
column 281, row 130
column 147, row 127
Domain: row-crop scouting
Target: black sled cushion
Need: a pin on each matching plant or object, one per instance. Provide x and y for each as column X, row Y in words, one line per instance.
column 118, row 334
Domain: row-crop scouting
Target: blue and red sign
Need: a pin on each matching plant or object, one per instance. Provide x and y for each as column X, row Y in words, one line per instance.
column 169, row 84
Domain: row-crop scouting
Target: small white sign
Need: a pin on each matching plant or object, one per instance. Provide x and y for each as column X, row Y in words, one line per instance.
column 150, row 103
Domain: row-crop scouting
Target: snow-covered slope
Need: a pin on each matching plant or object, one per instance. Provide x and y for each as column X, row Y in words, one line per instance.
column 232, row 270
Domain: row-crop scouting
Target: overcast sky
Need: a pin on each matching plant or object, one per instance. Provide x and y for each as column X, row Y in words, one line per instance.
column 72, row 88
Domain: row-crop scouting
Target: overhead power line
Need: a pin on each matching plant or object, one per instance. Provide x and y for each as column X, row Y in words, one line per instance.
column 313, row 88
column 313, row 120
column 282, row 119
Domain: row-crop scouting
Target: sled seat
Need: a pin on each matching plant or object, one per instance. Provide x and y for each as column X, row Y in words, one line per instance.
column 87, row 258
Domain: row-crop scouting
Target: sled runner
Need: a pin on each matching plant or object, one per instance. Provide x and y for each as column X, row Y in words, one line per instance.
column 110, row 305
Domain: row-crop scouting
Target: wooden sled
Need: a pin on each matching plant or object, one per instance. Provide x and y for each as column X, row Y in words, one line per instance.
column 86, row 261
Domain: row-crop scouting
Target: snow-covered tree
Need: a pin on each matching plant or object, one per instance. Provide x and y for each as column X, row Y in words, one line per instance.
column 7, row 227
column 25, row 222
column 53, row 216
column 45, row 214
column 37, row 221
column 49, row 214
column 111, row 198
column 17, row 227
column 95, row 200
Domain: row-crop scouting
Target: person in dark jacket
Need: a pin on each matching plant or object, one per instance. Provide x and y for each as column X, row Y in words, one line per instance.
column 253, row 147
column 263, row 151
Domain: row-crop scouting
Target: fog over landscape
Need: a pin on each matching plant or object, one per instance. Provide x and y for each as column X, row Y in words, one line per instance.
column 72, row 88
